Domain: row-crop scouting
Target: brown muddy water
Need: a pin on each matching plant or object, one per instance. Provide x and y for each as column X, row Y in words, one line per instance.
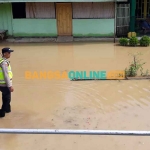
column 65, row 104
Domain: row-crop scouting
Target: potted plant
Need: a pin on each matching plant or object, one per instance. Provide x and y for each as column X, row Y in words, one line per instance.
column 133, row 41
column 123, row 41
column 145, row 41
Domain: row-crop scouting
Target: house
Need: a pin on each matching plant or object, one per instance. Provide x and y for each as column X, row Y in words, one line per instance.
column 77, row 18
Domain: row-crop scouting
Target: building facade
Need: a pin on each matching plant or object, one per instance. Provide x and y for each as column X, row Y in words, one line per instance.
column 39, row 18
column 142, row 13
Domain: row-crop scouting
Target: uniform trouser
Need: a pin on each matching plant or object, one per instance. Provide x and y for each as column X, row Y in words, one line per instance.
column 6, row 99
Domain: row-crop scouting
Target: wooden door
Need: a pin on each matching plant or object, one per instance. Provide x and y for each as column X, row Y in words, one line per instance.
column 64, row 18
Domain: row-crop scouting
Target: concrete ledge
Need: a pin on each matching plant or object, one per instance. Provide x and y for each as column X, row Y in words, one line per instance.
column 30, row 40
column 127, row 78
column 55, row 40
column 138, row 78
column 96, row 39
column 95, row 79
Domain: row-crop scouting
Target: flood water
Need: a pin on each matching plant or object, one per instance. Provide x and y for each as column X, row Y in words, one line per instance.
column 65, row 104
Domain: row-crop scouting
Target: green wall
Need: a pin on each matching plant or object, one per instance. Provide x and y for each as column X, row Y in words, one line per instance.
column 93, row 27
column 25, row 27
column 6, row 18
column 34, row 27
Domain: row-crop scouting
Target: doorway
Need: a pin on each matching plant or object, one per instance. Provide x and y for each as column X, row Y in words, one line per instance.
column 64, row 19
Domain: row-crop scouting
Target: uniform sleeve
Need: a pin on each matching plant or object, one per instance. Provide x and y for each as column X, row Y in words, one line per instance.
column 5, row 71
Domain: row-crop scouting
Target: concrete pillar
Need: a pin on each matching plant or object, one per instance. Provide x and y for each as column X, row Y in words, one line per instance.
column 132, row 17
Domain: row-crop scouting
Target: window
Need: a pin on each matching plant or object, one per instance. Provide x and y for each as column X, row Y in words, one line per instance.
column 40, row 10
column 91, row 10
column 142, row 8
column 18, row 10
column 33, row 10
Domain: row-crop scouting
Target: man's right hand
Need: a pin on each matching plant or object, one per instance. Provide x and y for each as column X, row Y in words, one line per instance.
column 11, row 89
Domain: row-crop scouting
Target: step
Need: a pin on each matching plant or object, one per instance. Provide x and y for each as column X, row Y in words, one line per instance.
column 65, row 39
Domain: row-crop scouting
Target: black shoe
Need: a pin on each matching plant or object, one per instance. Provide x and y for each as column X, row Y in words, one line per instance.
column 2, row 113
column 8, row 110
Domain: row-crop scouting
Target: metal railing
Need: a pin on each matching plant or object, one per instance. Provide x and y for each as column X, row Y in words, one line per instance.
column 81, row 132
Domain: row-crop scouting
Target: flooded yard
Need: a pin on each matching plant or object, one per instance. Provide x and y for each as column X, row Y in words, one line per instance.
column 65, row 104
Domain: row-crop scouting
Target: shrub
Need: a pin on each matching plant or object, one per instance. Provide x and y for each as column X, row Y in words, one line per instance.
column 133, row 41
column 123, row 41
column 135, row 66
column 145, row 41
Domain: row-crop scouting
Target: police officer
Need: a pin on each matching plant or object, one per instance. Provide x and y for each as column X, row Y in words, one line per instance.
column 5, row 81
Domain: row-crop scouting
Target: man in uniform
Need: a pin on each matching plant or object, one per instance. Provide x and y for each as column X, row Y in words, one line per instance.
column 5, row 81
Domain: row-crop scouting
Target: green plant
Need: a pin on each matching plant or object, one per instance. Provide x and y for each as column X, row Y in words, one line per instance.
column 145, row 41
column 133, row 41
column 123, row 41
column 135, row 66
column 146, row 73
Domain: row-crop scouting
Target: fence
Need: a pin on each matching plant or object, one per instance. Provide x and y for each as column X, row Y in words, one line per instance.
column 81, row 132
